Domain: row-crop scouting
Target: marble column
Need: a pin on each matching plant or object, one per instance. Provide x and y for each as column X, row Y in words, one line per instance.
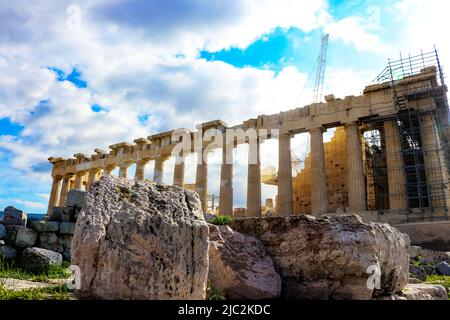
column 54, row 193
column 201, row 180
column 285, row 204
column 140, row 170
column 158, row 172
column 435, row 167
column 178, row 171
column 64, row 189
column 319, row 198
column 72, row 184
column 93, row 174
column 355, row 172
column 254, row 181
column 395, row 172
column 79, row 180
column 107, row 171
column 226, row 181
column 123, row 170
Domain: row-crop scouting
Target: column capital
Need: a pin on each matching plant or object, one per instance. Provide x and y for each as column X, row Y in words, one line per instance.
column 350, row 123
column 317, row 130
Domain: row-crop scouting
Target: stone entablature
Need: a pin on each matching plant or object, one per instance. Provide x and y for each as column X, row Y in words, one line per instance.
column 350, row 112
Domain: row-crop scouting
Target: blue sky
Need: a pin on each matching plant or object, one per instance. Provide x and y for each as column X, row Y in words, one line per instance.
column 84, row 76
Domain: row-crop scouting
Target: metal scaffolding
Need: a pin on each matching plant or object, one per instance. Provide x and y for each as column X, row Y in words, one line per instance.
column 423, row 146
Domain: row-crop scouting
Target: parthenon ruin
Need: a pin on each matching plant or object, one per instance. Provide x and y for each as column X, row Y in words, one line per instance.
column 388, row 160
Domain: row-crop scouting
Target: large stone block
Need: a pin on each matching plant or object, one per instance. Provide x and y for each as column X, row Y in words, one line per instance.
column 13, row 216
column 240, row 267
column 26, row 237
column 37, row 259
column 141, row 240
column 67, row 228
column 45, row 226
column 332, row 258
column 75, row 198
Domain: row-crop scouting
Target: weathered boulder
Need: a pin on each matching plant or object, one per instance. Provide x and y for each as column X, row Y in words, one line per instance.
column 7, row 252
column 3, row 233
column 44, row 226
column 26, row 237
column 424, row 291
column 239, row 265
column 67, row 228
column 37, row 259
column 141, row 240
column 332, row 258
column 75, row 198
column 443, row 268
column 14, row 216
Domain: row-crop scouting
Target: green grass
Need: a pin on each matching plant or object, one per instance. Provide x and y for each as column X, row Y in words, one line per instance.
column 60, row 292
column 222, row 220
column 213, row 293
column 10, row 269
column 442, row 280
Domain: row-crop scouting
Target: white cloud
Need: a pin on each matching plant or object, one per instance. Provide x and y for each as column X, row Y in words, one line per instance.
column 30, row 204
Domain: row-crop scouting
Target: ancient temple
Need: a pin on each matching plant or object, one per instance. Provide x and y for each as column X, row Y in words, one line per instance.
column 388, row 159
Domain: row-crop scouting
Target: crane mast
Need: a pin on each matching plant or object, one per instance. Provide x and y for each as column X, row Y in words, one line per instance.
column 321, row 63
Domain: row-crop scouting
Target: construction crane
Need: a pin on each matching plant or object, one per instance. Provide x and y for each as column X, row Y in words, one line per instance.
column 321, row 63
column 269, row 174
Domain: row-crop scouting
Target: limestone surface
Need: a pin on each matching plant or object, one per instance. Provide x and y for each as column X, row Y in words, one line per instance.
column 141, row 240
column 240, row 267
column 332, row 258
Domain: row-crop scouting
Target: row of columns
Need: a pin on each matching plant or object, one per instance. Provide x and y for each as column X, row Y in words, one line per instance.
column 319, row 199
column 285, row 192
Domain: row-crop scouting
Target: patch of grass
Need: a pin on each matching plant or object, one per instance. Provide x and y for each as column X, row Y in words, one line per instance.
column 442, row 280
column 222, row 220
column 60, row 292
column 213, row 293
column 10, row 269
column 416, row 261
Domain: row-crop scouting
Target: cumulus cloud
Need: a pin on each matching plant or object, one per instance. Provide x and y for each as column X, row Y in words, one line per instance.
column 140, row 62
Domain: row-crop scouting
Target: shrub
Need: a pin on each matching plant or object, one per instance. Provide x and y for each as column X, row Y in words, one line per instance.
column 222, row 220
